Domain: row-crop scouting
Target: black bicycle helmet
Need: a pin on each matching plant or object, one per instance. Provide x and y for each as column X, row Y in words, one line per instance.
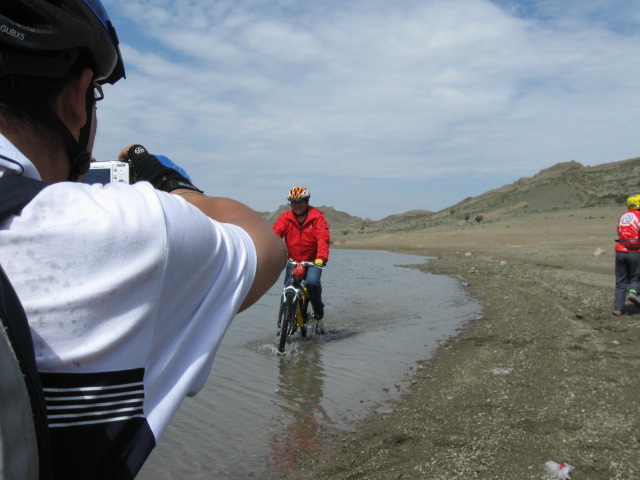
column 43, row 38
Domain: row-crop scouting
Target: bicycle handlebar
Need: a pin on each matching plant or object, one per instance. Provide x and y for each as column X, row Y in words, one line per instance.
column 304, row 263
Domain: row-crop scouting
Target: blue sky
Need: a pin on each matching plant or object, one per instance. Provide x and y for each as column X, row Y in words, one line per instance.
column 377, row 106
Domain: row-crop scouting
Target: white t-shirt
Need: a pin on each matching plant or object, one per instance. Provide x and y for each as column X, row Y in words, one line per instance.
column 122, row 277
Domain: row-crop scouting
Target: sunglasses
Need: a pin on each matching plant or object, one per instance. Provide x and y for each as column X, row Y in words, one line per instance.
column 98, row 94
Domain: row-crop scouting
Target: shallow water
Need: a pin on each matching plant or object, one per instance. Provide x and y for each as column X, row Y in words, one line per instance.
column 260, row 412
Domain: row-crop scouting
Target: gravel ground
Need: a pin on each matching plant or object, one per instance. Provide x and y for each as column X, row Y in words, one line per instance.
column 547, row 373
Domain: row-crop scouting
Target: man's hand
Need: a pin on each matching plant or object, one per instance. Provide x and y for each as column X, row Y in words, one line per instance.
column 158, row 170
column 319, row 262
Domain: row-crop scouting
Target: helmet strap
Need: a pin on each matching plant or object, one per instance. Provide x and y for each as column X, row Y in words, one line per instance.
column 82, row 159
column 76, row 150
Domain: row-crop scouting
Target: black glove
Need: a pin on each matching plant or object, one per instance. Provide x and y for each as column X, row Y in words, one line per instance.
column 158, row 170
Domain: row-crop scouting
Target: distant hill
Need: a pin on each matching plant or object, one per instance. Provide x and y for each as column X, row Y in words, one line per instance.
column 566, row 185
column 338, row 221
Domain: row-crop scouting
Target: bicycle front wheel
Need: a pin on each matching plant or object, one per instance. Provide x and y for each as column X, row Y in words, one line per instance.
column 287, row 322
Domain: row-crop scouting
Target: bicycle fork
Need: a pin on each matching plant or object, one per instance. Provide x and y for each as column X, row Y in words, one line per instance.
column 301, row 308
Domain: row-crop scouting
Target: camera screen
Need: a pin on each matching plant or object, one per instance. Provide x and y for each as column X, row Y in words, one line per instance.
column 97, row 175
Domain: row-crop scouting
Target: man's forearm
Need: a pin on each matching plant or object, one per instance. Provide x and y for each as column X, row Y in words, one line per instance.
column 271, row 251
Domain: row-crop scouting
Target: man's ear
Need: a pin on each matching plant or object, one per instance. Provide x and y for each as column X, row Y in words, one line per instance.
column 71, row 103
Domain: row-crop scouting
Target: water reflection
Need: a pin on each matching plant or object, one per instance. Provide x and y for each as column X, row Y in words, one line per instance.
column 304, row 420
column 261, row 411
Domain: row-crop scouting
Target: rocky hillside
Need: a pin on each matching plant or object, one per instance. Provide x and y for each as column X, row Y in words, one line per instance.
column 567, row 185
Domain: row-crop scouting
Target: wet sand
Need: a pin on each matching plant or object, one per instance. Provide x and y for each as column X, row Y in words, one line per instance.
column 546, row 373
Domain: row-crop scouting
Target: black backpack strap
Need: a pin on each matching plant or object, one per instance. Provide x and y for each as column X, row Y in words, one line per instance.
column 16, row 192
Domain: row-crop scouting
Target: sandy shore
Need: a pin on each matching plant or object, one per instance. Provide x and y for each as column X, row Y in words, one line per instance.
column 547, row 373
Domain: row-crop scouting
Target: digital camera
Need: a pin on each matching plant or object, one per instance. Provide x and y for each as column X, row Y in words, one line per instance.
column 108, row 172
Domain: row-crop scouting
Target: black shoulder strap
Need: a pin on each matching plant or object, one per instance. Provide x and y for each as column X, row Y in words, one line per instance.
column 16, row 192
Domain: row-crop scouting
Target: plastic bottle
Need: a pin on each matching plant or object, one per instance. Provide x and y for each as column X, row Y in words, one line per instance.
column 561, row 470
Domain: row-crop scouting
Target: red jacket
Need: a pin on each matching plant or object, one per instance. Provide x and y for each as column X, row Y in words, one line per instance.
column 628, row 227
column 307, row 242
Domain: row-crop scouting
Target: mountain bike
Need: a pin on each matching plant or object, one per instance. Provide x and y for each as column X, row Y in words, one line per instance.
column 294, row 306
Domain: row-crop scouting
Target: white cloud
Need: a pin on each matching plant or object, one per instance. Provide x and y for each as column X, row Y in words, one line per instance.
column 253, row 97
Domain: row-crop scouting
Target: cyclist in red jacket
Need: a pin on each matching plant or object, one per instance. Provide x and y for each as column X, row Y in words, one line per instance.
column 306, row 233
